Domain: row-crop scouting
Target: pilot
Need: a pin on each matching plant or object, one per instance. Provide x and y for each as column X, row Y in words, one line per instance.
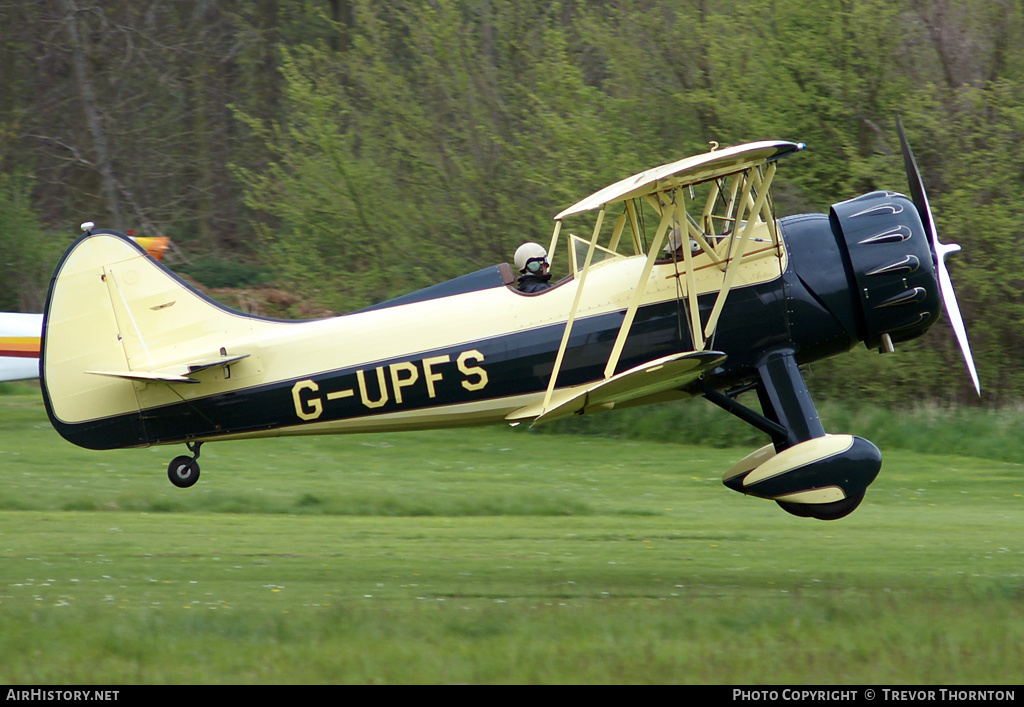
column 674, row 245
column 532, row 261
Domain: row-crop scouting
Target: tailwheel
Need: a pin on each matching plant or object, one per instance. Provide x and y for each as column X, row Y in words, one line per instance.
column 824, row 511
column 183, row 471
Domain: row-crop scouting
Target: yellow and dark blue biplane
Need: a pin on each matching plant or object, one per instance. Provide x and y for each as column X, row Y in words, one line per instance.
column 689, row 285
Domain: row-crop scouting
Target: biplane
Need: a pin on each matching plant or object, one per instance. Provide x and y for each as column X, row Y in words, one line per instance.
column 688, row 285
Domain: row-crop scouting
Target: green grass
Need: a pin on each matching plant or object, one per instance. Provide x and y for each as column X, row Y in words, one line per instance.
column 493, row 556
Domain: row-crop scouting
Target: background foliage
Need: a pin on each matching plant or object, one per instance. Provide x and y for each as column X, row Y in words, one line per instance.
column 349, row 150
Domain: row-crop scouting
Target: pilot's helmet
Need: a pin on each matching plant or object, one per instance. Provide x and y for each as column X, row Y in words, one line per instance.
column 674, row 240
column 531, row 258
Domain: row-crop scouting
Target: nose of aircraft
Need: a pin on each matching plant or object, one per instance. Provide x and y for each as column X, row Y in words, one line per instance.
column 891, row 264
column 897, row 264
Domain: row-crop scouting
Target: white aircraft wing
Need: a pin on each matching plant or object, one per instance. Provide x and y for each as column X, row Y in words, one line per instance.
column 690, row 170
column 19, row 345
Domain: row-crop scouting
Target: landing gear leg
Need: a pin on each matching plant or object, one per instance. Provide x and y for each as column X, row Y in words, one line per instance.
column 183, row 471
column 827, row 473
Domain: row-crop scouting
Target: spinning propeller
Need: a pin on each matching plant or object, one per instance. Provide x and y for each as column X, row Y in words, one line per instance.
column 939, row 252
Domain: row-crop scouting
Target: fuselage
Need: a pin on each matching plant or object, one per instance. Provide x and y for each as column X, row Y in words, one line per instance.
column 467, row 352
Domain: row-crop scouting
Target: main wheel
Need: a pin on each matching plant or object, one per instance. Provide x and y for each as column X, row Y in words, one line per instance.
column 183, row 471
column 824, row 511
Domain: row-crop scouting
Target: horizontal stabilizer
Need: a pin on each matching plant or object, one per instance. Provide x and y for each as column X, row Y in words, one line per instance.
column 174, row 374
column 145, row 376
column 666, row 373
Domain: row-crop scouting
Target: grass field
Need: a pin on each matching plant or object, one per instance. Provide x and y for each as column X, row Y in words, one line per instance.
column 493, row 556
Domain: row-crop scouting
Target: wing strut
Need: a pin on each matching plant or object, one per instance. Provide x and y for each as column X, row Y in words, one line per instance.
column 738, row 246
column 691, row 286
column 575, row 305
column 638, row 291
column 554, row 242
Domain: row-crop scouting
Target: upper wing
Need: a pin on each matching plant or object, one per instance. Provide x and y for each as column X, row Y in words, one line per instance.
column 690, row 170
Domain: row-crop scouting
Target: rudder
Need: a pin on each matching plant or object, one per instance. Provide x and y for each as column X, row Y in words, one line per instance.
column 116, row 328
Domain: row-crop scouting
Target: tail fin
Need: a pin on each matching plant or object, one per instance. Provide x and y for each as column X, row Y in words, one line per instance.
column 118, row 331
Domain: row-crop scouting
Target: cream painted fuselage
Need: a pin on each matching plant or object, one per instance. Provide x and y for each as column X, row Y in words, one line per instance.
column 121, row 329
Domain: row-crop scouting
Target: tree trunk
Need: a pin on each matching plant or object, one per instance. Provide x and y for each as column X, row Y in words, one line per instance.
column 91, row 111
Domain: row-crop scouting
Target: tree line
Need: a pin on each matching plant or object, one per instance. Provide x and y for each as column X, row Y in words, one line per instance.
column 355, row 150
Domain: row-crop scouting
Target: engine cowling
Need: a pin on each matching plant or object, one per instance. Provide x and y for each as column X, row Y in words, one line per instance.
column 891, row 263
